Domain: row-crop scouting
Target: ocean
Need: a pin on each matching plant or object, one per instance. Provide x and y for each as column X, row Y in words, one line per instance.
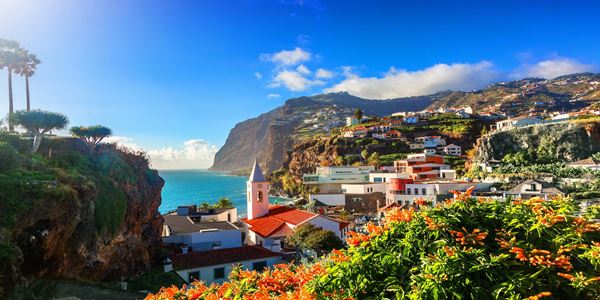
column 184, row 187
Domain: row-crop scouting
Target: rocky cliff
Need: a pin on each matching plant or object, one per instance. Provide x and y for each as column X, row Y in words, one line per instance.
column 270, row 136
column 77, row 214
column 572, row 141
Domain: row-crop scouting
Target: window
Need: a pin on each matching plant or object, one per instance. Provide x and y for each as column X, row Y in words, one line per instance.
column 228, row 217
column 219, row 273
column 416, row 191
column 423, row 191
column 193, row 276
column 259, row 265
column 408, row 191
column 259, row 196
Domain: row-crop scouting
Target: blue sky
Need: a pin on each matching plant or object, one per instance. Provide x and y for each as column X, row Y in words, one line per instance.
column 173, row 77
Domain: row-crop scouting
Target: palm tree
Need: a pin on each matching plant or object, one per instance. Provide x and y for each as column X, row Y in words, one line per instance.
column 11, row 60
column 29, row 64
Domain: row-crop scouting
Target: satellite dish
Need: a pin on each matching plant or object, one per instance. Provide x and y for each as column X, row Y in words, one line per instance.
column 493, row 189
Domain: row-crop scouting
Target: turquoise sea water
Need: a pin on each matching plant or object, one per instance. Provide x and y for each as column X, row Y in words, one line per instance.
column 183, row 187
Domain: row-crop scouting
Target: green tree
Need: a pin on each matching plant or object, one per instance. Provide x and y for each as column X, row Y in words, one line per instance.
column 9, row 158
column 358, row 114
column 374, row 159
column 91, row 135
column 27, row 68
column 364, row 154
column 310, row 237
column 11, row 59
column 205, row 205
column 39, row 122
column 339, row 160
column 224, row 203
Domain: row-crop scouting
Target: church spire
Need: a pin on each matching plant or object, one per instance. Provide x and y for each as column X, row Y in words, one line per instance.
column 257, row 174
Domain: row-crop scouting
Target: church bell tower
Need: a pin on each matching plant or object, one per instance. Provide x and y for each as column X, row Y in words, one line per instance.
column 257, row 193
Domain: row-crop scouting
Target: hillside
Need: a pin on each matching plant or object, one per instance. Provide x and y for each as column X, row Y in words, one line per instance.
column 520, row 96
column 71, row 213
column 270, row 136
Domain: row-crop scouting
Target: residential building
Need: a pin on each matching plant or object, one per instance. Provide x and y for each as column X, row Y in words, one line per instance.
column 422, row 166
column 385, row 176
column 330, row 179
column 430, row 151
column 352, row 120
column 363, row 188
column 394, row 134
column 453, row 150
column 431, row 141
column 379, row 135
column 269, row 225
column 517, row 122
column 406, row 191
column 534, row 188
column 200, row 235
column 208, row 214
column 214, row 266
column 588, row 163
column 348, row 133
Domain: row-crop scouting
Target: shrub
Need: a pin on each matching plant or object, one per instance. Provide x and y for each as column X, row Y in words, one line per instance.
column 9, row 158
column 465, row 248
column 110, row 208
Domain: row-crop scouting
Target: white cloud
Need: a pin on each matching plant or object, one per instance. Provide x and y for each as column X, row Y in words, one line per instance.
column 303, row 70
column 192, row 154
column 403, row 83
column 287, row 57
column 323, row 73
column 258, row 75
column 294, row 81
column 273, row 96
column 552, row 68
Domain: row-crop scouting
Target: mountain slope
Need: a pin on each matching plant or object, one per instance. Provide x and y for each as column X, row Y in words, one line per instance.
column 269, row 136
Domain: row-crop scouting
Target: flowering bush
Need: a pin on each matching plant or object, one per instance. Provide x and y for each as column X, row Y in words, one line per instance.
column 465, row 248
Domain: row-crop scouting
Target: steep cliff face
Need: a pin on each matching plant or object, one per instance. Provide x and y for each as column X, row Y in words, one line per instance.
column 572, row 141
column 92, row 215
column 270, row 136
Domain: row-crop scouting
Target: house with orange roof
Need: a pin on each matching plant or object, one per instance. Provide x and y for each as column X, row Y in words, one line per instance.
column 268, row 225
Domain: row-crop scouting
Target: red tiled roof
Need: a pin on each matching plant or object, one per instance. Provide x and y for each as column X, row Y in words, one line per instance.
column 273, row 224
column 219, row 257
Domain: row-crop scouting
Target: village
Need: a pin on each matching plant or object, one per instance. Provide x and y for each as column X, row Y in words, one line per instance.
column 208, row 243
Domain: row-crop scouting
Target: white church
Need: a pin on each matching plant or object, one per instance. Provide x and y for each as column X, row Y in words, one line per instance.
column 268, row 225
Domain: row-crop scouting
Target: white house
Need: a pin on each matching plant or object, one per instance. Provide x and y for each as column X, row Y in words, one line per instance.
column 379, row 176
column 214, row 266
column 588, row 163
column 330, row 179
column 352, row 120
column 200, row 235
column 453, row 150
column 517, row 122
column 363, row 188
column 431, row 191
column 379, row 135
column 534, row 188
column 269, row 225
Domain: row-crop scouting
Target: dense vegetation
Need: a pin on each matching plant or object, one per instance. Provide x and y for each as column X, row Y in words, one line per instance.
column 308, row 238
column 28, row 179
column 464, row 248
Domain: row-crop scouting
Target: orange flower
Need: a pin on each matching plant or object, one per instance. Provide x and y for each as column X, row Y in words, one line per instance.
column 566, row 276
column 339, row 256
column 374, row 229
column 475, row 237
column 540, row 295
column 355, row 238
column 421, row 202
column 448, row 251
column 398, row 215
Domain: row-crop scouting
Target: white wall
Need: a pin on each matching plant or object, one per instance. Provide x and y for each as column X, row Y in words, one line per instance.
column 207, row 273
column 363, row 188
column 227, row 239
column 327, row 224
